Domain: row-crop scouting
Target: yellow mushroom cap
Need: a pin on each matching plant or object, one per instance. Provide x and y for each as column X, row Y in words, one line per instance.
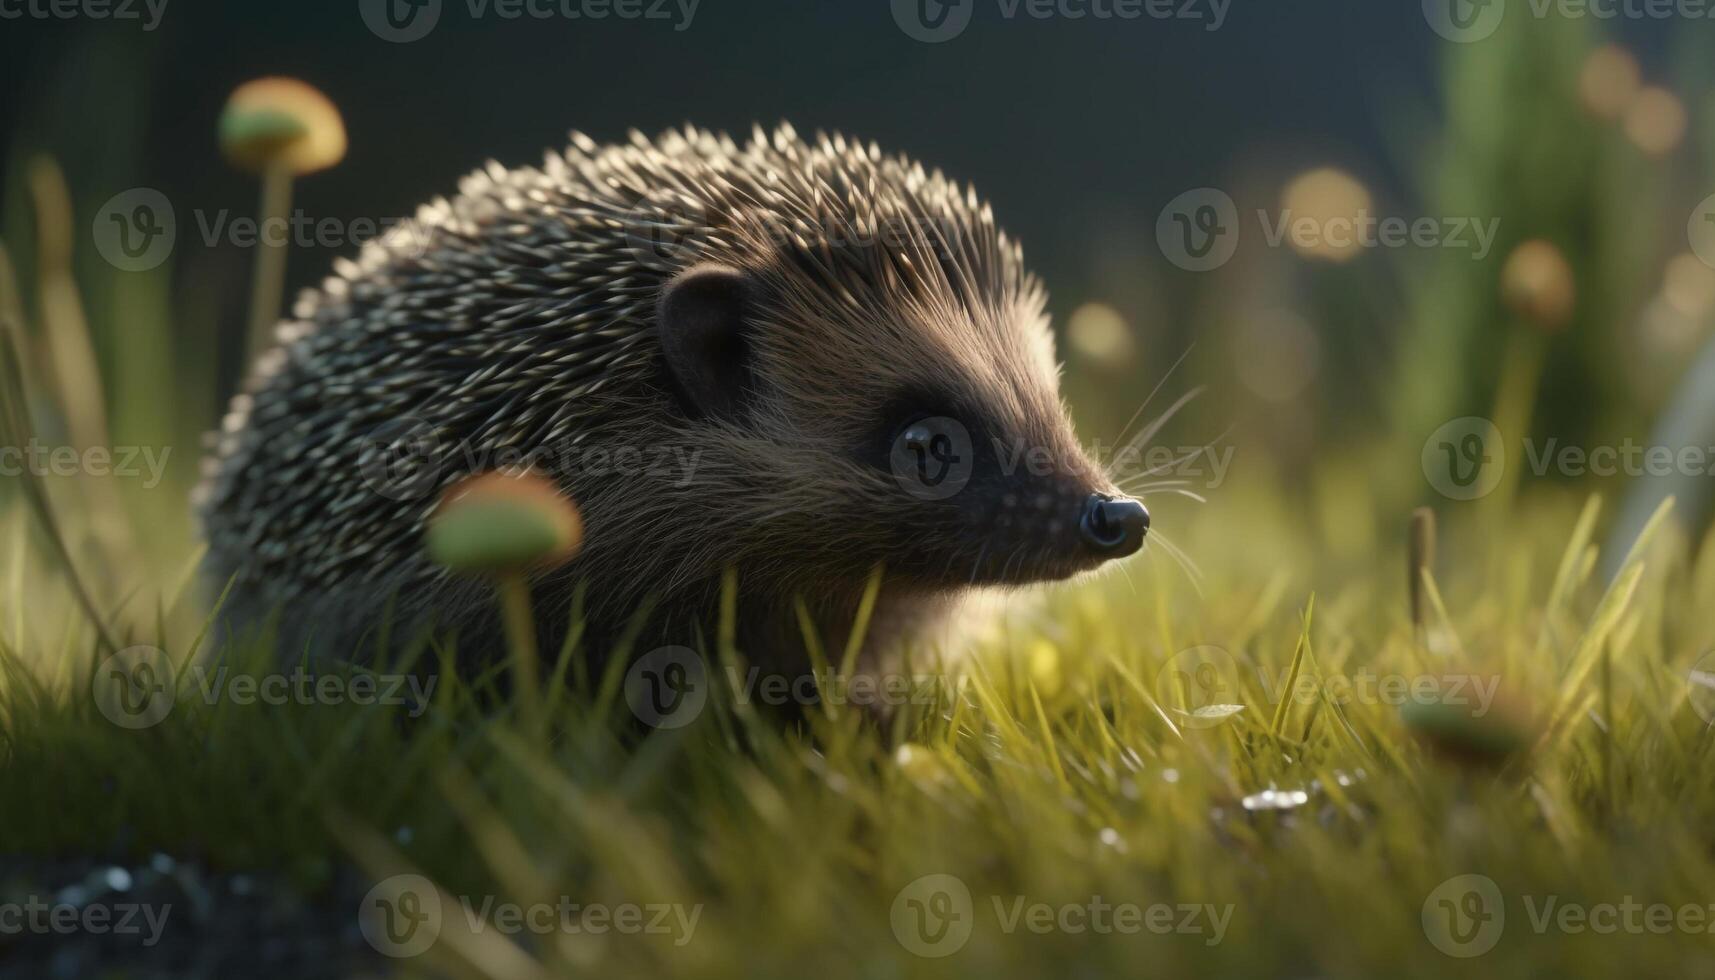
column 1537, row 284
column 281, row 122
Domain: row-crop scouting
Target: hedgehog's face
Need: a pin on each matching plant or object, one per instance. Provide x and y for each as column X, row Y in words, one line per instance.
column 982, row 496
column 932, row 442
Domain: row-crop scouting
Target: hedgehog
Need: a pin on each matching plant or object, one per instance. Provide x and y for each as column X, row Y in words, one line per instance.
column 801, row 362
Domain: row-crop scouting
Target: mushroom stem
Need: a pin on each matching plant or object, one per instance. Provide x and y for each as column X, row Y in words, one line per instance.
column 1515, row 407
column 270, row 274
column 520, row 625
column 1421, row 557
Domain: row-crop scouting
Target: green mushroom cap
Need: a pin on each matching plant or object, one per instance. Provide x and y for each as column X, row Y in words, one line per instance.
column 1463, row 733
column 499, row 523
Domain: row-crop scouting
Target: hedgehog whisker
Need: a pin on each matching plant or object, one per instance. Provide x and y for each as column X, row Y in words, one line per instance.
column 1152, row 393
column 1177, row 489
column 1193, row 574
column 1166, row 467
column 1152, row 489
column 1196, row 583
column 1149, row 432
column 1176, row 462
column 1129, row 581
column 1132, row 486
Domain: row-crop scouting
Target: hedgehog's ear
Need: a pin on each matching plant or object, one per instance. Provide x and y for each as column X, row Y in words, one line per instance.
column 701, row 324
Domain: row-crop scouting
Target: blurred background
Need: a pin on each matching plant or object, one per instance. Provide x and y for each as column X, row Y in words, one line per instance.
column 1588, row 138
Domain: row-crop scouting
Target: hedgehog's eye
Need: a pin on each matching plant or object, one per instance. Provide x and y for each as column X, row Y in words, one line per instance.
column 919, row 426
column 932, row 457
column 918, row 437
column 941, row 439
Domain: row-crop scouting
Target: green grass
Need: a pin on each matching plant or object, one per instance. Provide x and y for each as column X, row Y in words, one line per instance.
column 1059, row 765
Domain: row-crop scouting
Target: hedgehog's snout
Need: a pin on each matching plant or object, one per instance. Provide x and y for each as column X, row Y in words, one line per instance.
column 1113, row 527
column 1058, row 530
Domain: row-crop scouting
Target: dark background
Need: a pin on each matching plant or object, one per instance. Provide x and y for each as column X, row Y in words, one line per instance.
column 1078, row 131
column 1058, row 122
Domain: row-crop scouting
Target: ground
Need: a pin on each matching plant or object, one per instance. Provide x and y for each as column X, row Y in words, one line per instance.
column 1264, row 767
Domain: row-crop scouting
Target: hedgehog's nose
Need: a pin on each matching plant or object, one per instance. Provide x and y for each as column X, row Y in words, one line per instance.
column 1114, row 526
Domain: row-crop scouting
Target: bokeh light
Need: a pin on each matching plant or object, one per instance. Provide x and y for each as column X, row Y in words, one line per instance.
column 1655, row 121
column 1609, row 81
column 1688, row 285
column 1098, row 332
column 1334, row 202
